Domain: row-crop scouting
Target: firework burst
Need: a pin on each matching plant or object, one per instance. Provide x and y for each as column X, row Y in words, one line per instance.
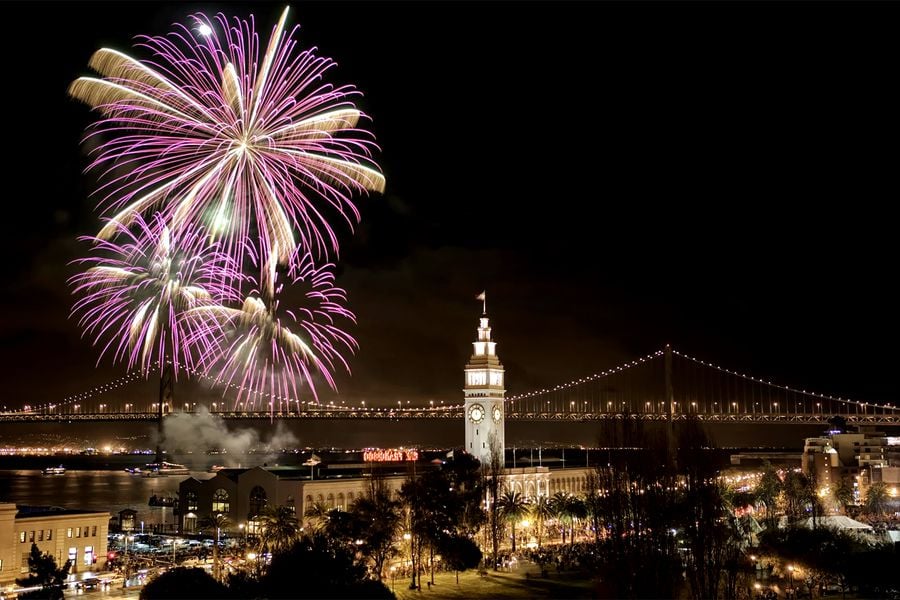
column 264, row 352
column 134, row 295
column 255, row 148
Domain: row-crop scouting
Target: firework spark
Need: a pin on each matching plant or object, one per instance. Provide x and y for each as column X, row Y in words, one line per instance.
column 208, row 132
column 265, row 353
column 135, row 294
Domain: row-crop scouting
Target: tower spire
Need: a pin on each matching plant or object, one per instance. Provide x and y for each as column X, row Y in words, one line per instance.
column 483, row 297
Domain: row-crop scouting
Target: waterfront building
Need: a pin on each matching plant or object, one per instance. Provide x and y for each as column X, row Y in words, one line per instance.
column 65, row 534
column 242, row 494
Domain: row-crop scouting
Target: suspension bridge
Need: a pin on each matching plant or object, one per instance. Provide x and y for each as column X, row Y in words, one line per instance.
column 666, row 385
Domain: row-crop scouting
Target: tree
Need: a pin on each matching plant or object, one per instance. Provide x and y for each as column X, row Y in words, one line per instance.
column 217, row 523
column 541, row 511
column 280, row 528
column 460, row 553
column 379, row 517
column 768, row 489
column 464, row 473
column 559, row 506
column 843, row 494
column 798, row 495
column 43, row 572
column 317, row 567
column 876, row 498
column 182, row 582
column 493, row 472
column 317, row 515
column 513, row 508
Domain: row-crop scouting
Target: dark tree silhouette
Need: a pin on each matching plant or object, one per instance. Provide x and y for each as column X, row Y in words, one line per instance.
column 460, row 553
column 182, row 582
column 42, row 571
column 316, row 567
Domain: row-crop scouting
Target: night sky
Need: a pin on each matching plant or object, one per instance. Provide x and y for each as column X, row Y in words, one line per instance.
column 717, row 176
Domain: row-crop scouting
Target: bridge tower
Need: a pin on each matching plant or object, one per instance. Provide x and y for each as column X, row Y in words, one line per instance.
column 484, row 394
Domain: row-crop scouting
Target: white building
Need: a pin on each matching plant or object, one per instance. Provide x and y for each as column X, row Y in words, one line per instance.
column 65, row 534
column 484, row 392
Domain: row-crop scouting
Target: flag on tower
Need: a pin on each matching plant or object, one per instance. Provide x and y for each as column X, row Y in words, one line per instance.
column 483, row 297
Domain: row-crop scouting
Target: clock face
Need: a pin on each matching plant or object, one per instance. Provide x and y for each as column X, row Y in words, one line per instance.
column 498, row 414
column 476, row 413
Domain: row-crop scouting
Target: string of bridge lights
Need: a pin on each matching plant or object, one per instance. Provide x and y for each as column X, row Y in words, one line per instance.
column 137, row 375
column 782, row 387
column 76, row 399
column 602, row 374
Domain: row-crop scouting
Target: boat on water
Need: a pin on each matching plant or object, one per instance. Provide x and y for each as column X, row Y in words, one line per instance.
column 60, row 470
column 215, row 469
column 166, row 501
column 133, row 470
column 165, row 468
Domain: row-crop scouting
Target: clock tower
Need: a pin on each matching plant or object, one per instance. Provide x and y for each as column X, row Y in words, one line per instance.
column 484, row 393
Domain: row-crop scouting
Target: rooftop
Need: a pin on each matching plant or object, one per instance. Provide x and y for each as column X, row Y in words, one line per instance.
column 31, row 512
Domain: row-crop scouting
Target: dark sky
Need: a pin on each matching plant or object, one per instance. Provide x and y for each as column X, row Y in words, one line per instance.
column 717, row 176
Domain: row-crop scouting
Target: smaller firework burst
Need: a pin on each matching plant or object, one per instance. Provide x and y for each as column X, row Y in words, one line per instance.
column 267, row 354
column 133, row 297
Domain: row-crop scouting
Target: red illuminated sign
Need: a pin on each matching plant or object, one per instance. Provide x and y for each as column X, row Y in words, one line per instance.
column 390, row 455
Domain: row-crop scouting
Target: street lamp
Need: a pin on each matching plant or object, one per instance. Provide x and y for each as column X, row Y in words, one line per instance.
column 791, row 572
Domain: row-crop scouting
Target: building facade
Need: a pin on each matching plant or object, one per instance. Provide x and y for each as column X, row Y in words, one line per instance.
column 79, row 536
column 484, row 392
column 861, row 458
column 242, row 494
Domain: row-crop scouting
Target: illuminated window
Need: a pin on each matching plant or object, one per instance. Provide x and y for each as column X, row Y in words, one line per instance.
column 220, row 502
column 291, row 504
column 49, row 535
column 94, row 531
column 496, row 378
column 31, row 537
column 253, row 527
column 1, row 564
column 69, row 532
column 88, row 556
column 73, row 554
column 78, row 532
column 22, row 537
column 41, row 535
column 192, row 502
column 477, row 378
column 23, row 566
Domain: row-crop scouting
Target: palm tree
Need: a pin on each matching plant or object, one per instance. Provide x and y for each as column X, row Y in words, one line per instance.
column 843, row 494
column 280, row 528
column 317, row 513
column 876, row 498
column 541, row 510
column 217, row 522
column 577, row 511
column 559, row 505
column 513, row 507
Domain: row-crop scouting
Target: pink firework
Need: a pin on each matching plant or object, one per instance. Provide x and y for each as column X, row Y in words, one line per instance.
column 209, row 132
column 263, row 352
column 134, row 295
